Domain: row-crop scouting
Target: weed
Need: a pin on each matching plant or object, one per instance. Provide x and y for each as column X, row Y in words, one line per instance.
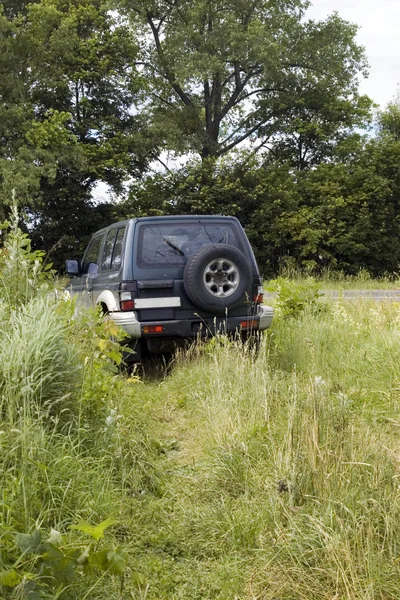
column 292, row 297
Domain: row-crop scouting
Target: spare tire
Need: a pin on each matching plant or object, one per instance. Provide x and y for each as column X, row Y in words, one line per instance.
column 217, row 277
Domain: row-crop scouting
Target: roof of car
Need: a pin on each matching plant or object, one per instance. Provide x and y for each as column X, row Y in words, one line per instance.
column 174, row 218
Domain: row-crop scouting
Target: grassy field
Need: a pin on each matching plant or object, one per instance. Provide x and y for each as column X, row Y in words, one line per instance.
column 337, row 280
column 231, row 475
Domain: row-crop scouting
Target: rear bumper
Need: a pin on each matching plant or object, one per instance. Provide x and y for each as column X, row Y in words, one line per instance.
column 128, row 321
column 266, row 314
column 191, row 328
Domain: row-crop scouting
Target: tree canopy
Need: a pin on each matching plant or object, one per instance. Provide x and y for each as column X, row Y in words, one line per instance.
column 68, row 85
column 261, row 102
column 224, row 73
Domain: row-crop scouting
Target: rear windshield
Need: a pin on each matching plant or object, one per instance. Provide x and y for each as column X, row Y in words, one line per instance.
column 171, row 244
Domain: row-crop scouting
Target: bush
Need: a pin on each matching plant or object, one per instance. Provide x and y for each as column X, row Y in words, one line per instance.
column 293, row 297
column 23, row 273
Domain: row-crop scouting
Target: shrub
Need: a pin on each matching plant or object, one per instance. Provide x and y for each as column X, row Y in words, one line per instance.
column 294, row 297
column 23, row 273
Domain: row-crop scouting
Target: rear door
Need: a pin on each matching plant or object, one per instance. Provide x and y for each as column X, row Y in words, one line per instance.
column 162, row 250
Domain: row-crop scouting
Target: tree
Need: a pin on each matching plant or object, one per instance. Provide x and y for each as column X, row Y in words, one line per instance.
column 342, row 215
column 388, row 120
column 68, row 86
column 260, row 198
column 222, row 73
column 318, row 129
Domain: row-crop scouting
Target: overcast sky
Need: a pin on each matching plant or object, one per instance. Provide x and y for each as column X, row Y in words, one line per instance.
column 379, row 33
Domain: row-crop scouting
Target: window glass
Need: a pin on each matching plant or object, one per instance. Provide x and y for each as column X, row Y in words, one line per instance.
column 108, row 250
column 117, row 254
column 172, row 244
column 92, row 253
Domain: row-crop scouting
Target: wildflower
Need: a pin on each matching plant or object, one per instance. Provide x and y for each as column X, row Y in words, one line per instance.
column 112, row 417
column 318, row 381
column 54, row 537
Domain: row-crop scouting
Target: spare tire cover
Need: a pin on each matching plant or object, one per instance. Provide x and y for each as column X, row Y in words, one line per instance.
column 217, row 277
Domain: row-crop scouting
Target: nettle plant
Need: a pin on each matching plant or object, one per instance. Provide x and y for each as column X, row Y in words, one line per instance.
column 40, row 567
column 23, row 272
column 292, row 298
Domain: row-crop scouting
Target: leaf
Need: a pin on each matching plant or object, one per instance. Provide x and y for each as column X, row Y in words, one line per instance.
column 61, row 564
column 115, row 356
column 99, row 559
column 96, row 532
column 29, row 543
column 112, row 328
column 108, row 559
column 102, row 344
column 117, row 561
column 138, row 579
column 10, row 578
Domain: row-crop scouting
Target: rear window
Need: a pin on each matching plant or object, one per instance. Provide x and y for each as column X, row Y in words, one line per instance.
column 171, row 244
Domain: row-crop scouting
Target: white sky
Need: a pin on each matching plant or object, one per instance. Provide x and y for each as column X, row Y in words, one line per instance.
column 379, row 33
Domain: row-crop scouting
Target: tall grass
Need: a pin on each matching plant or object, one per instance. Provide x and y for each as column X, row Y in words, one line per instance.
column 238, row 475
column 58, row 439
column 278, row 474
column 330, row 279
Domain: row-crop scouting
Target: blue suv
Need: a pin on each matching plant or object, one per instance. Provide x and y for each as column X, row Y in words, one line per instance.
column 166, row 280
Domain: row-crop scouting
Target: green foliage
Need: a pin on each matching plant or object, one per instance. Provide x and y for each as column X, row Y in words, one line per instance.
column 39, row 369
column 220, row 73
column 23, row 272
column 292, row 298
column 270, row 474
column 67, row 84
column 340, row 216
column 267, row 491
column 97, row 531
column 59, row 440
column 45, row 568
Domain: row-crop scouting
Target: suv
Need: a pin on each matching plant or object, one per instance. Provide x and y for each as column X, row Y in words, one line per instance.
column 165, row 280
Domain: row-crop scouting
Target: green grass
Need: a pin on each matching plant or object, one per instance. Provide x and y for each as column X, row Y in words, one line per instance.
column 281, row 481
column 235, row 476
column 337, row 280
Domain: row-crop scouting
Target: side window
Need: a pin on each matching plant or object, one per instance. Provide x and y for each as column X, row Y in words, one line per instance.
column 92, row 253
column 108, row 250
column 117, row 254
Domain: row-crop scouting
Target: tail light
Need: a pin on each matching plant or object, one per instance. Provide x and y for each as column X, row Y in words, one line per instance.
column 249, row 324
column 127, row 294
column 259, row 296
column 153, row 329
column 126, row 301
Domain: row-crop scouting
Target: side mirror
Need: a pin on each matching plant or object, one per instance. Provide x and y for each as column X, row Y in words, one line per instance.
column 73, row 267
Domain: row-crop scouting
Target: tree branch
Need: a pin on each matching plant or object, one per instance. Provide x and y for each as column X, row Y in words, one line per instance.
column 257, row 148
column 163, row 100
column 163, row 164
column 240, row 85
column 243, row 137
column 259, row 91
column 168, row 74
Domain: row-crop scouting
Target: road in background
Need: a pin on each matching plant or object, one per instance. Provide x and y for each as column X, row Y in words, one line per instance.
column 392, row 295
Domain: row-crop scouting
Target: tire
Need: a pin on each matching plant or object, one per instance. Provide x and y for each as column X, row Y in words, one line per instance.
column 217, row 278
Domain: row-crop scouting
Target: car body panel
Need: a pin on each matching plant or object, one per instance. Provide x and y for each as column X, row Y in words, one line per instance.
column 158, row 289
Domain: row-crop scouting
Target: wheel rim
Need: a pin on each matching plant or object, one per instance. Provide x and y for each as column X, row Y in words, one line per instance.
column 221, row 278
